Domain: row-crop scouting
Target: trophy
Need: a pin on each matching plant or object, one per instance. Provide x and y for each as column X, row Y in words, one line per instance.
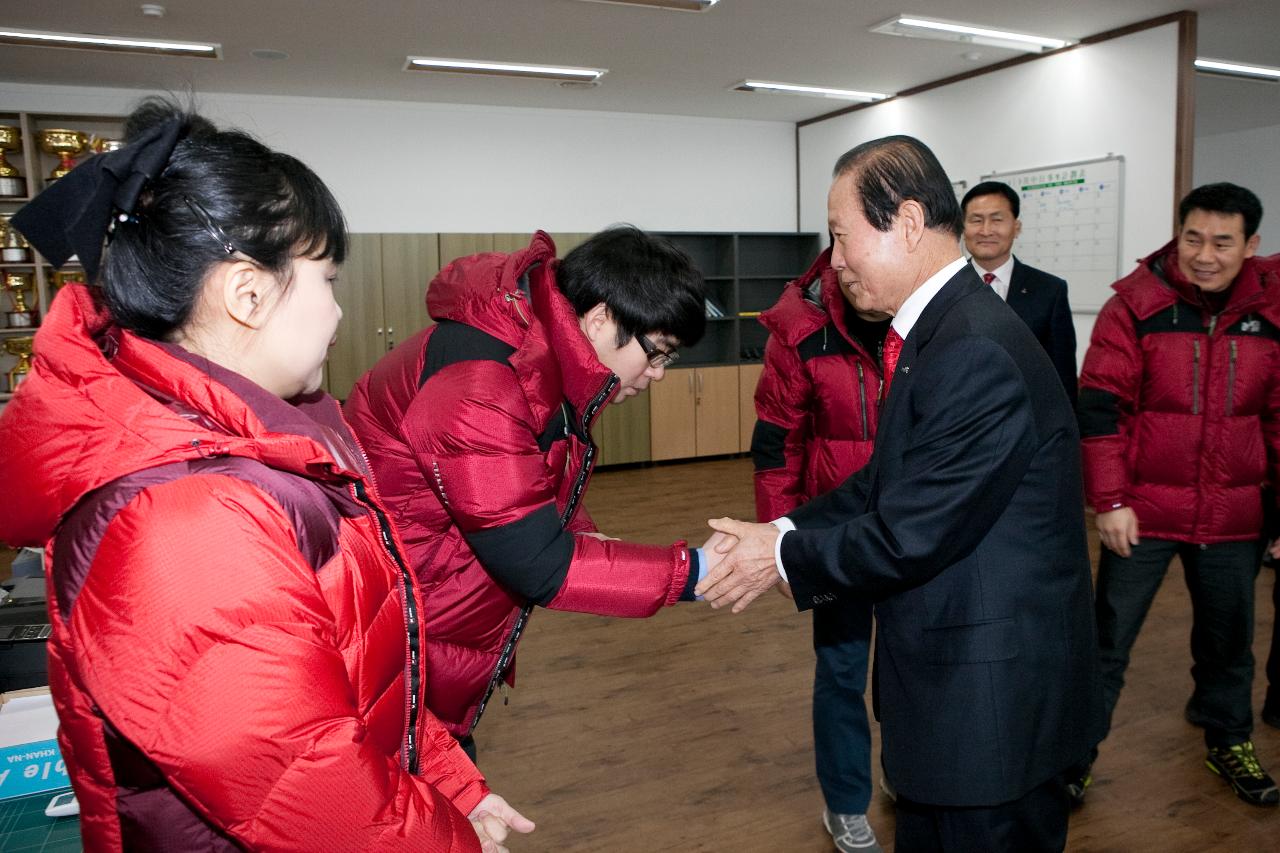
column 102, row 145
column 68, row 276
column 14, row 248
column 21, row 317
column 66, row 144
column 22, row 348
column 11, row 183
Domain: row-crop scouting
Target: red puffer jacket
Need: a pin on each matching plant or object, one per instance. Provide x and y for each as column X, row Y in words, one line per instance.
column 234, row 658
column 1179, row 408
column 478, row 430
column 816, row 402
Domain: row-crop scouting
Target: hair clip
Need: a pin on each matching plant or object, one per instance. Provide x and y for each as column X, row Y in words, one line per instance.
column 206, row 220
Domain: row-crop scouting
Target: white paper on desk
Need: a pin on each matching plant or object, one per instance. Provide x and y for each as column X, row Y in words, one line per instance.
column 27, row 719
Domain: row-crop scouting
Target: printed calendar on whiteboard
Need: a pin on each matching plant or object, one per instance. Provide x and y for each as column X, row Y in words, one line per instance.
column 1071, row 222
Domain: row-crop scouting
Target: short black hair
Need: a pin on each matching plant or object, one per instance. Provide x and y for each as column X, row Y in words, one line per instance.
column 895, row 169
column 647, row 283
column 1224, row 198
column 270, row 206
column 993, row 188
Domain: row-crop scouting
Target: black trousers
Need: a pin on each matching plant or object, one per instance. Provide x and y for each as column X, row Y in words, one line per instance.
column 1033, row 823
column 1221, row 581
column 1273, row 659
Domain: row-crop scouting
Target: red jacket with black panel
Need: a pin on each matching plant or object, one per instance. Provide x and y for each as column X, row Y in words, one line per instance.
column 818, row 396
column 479, row 431
column 1180, row 402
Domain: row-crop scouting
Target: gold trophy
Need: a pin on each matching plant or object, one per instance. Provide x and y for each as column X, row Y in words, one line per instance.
column 102, row 145
column 11, row 183
column 67, row 276
column 21, row 317
column 65, row 144
column 22, row 348
column 14, row 248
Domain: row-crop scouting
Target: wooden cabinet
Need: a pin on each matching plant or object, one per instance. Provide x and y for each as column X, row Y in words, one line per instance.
column 694, row 412
column 33, row 167
column 622, row 431
column 748, row 378
column 382, row 289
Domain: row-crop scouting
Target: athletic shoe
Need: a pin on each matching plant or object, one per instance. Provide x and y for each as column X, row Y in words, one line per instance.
column 1238, row 765
column 851, row 832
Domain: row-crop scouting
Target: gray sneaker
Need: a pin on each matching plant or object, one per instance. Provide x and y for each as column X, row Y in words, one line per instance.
column 851, row 833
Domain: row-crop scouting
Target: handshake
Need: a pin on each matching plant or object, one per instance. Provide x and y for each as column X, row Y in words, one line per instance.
column 740, row 563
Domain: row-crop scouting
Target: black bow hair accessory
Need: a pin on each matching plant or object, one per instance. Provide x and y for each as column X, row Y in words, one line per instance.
column 75, row 214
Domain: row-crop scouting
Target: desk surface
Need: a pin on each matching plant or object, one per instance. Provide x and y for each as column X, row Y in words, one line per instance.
column 25, row 829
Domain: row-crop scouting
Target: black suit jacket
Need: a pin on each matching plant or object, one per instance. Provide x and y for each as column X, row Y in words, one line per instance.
column 967, row 530
column 1040, row 300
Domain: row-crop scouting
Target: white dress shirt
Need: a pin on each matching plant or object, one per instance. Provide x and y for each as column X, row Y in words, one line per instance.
column 903, row 322
column 1003, row 274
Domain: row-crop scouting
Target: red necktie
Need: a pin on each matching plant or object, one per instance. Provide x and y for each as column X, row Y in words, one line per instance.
column 892, row 349
column 988, row 277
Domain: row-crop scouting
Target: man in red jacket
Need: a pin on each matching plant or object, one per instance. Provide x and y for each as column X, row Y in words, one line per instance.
column 1180, row 420
column 816, row 406
column 478, row 430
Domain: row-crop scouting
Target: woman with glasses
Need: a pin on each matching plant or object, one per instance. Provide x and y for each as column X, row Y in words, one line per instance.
column 479, row 431
column 236, row 647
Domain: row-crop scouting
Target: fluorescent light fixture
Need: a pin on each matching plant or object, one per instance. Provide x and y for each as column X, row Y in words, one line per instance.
column 917, row 27
column 811, row 91
column 1221, row 67
column 84, row 41
column 502, row 69
column 677, row 5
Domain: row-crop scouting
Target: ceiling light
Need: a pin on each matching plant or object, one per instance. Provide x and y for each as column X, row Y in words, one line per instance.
column 81, row 41
column 1265, row 73
column 811, row 91
column 913, row 26
column 678, row 5
column 502, row 69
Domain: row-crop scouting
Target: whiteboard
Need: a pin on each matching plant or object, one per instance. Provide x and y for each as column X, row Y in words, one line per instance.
column 1071, row 224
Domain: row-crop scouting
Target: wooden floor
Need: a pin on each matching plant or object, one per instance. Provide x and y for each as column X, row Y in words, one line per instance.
column 691, row 732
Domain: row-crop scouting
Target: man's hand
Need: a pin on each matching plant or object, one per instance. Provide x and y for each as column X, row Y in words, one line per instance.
column 596, row 534
column 492, row 819
column 716, row 547
column 1273, row 550
column 747, row 570
column 1118, row 530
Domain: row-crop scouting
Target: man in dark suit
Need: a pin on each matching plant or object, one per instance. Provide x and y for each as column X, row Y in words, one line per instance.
column 991, row 224
column 966, row 529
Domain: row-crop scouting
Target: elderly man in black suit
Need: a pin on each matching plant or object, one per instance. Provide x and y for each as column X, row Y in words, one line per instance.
column 991, row 224
column 965, row 529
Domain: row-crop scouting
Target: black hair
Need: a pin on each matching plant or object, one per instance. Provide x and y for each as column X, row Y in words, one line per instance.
column 1224, row 198
column 894, row 169
column 220, row 186
column 647, row 283
column 993, row 188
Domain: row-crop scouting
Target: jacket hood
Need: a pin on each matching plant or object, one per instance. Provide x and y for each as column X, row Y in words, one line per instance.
column 796, row 315
column 514, row 297
column 1157, row 283
column 101, row 403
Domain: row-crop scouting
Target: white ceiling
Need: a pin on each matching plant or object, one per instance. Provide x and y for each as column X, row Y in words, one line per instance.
column 659, row 61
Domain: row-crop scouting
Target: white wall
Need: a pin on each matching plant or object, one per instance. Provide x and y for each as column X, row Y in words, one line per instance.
column 1117, row 97
column 411, row 167
column 1250, row 158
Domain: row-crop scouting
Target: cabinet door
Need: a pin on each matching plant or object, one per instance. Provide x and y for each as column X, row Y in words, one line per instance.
column 672, row 424
column 622, row 432
column 362, row 335
column 748, row 377
column 716, row 394
column 409, row 262
column 454, row 246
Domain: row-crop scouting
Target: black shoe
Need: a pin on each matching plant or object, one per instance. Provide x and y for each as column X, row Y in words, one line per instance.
column 1193, row 715
column 1238, row 765
column 1078, row 779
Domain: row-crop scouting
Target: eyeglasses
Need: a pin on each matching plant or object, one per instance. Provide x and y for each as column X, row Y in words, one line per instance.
column 658, row 357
